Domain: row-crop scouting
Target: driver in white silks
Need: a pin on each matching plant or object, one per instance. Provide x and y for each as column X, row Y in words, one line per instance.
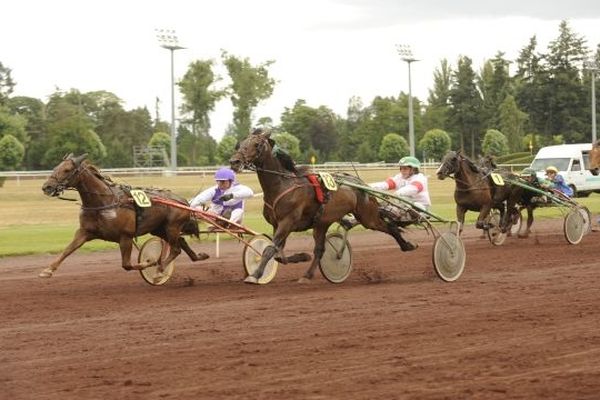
column 226, row 198
column 409, row 184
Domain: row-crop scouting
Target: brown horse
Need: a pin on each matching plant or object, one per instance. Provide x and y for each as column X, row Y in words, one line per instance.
column 290, row 203
column 475, row 192
column 594, row 156
column 108, row 213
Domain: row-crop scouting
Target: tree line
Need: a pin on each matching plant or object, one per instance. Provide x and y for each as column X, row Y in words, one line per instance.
column 541, row 98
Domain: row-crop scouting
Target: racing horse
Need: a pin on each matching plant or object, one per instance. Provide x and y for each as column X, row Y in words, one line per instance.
column 291, row 205
column 475, row 190
column 108, row 213
column 594, row 156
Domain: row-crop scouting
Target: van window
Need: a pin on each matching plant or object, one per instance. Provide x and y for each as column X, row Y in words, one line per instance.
column 540, row 164
column 586, row 159
column 576, row 165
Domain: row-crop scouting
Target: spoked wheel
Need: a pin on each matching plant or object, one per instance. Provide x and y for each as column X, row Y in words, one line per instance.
column 574, row 226
column 587, row 219
column 253, row 254
column 151, row 252
column 336, row 263
column 449, row 256
column 494, row 233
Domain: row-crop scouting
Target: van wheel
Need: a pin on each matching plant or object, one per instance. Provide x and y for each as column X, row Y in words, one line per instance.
column 584, row 193
column 575, row 194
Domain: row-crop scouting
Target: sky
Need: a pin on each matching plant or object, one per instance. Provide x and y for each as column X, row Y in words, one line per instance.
column 325, row 51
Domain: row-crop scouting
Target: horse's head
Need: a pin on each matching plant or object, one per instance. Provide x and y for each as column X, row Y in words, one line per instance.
column 449, row 165
column 595, row 158
column 251, row 150
column 64, row 175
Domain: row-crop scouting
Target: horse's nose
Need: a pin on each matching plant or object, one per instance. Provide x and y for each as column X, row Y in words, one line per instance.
column 235, row 164
column 47, row 189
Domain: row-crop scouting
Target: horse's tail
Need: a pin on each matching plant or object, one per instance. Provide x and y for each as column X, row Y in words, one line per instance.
column 191, row 228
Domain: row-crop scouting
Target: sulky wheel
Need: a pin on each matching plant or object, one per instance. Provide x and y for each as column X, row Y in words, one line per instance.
column 494, row 233
column 336, row 263
column 449, row 256
column 151, row 252
column 587, row 219
column 574, row 226
column 252, row 255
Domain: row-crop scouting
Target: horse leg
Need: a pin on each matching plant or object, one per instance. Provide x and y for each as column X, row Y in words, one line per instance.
column 460, row 217
column 279, row 239
column 370, row 218
column 188, row 250
column 126, row 245
column 78, row 240
column 529, row 222
column 481, row 219
column 319, row 239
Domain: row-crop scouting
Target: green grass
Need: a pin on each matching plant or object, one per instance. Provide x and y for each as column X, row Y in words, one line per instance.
column 31, row 223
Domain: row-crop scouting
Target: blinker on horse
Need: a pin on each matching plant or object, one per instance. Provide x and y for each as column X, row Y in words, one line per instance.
column 290, row 203
column 108, row 213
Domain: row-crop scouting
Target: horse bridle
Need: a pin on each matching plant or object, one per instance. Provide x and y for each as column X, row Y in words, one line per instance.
column 63, row 184
column 460, row 158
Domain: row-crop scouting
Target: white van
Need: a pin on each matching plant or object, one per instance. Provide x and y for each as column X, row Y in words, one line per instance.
column 572, row 162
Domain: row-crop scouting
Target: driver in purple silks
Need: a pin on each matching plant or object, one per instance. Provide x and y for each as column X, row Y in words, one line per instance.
column 226, row 198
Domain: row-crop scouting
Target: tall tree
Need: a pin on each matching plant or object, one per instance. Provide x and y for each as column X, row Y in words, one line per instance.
column 512, row 123
column 567, row 104
column 436, row 112
column 465, row 111
column 33, row 110
column 249, row 86
column 494, row 86
column 199, row 99
column 316, row 128
column 7, row 85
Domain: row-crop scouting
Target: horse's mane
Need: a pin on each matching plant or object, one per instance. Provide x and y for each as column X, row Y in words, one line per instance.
column 284, row 158
column 94, row 170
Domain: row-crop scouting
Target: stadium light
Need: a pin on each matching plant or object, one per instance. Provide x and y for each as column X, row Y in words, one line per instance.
column 167, row 38
column 406, row 54
column 592, row 66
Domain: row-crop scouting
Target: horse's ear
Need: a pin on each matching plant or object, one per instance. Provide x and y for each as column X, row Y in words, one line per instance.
column 78, row 160
column 257, row 131
column 271, row 142
column 237, row 146
column 67, row 156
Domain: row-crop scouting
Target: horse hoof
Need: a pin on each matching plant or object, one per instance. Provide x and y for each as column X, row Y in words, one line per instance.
column 251, row 279
column 202, row 256
column 45, row 274
column 408, row 246
column 304, row 280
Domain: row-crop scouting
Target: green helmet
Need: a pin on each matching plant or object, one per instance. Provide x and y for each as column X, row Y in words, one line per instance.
column 528, row 172
column 409, row 161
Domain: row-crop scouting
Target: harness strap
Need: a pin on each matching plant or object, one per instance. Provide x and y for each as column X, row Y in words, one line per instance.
column 288, row 190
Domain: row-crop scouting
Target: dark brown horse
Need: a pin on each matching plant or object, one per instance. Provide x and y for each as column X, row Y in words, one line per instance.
column 290, row 204
column 475, row 191
column 108, row 213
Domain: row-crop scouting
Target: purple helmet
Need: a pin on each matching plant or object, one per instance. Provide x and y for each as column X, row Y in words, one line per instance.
column 224, row 174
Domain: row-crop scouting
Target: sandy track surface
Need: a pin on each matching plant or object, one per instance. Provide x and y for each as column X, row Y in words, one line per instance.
column 523, row 322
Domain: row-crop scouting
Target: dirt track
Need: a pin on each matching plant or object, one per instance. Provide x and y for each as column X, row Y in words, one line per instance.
column 523, row 322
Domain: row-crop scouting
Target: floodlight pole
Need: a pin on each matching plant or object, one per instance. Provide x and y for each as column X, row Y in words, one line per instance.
column 406, row 54
column 167, row 39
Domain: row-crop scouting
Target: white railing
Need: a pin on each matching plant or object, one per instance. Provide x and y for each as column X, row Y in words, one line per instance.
column 329, row 166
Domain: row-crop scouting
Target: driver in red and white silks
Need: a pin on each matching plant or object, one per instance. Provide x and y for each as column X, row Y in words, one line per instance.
column 409, row 183
column 226, row 198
